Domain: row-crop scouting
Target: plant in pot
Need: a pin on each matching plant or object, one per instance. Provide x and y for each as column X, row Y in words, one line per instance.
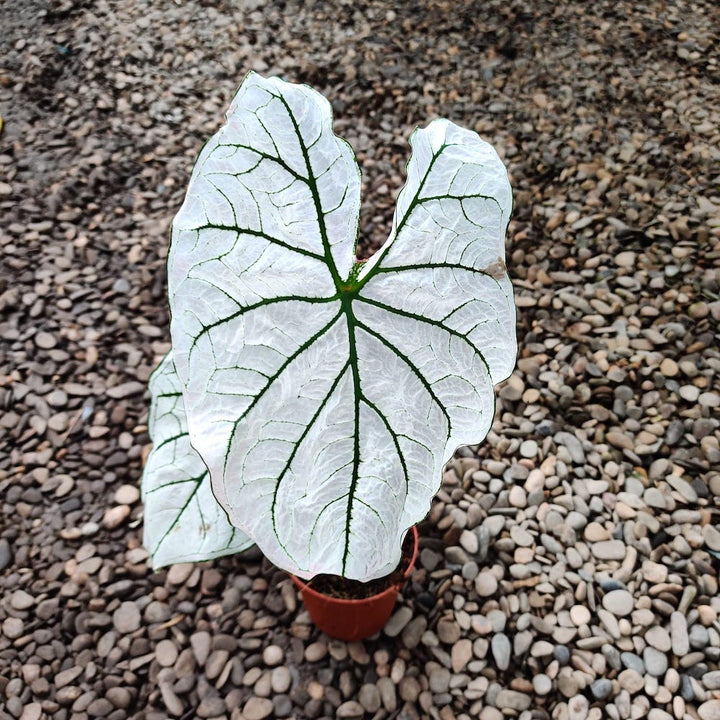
column 310, row 401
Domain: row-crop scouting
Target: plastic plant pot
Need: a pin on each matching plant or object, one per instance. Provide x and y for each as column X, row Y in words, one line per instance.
column 352, row 620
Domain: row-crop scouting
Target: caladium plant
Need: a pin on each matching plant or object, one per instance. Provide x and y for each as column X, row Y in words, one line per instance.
column 314, row 398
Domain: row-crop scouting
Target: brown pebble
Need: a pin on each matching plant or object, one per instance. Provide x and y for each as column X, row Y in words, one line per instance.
column 315, row 652
column 257, row 708
column 115, row 516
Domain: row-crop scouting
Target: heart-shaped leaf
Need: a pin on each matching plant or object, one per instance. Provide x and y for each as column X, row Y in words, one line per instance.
column 183, row 521
column 325, row 395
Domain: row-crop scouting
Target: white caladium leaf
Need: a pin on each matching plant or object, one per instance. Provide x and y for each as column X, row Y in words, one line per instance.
column 325, row 395
column 183, row 521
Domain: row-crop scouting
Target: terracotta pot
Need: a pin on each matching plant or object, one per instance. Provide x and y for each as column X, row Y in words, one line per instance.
column 352, row 620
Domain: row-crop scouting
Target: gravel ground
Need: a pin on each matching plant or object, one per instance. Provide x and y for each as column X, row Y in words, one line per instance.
column 569, row 566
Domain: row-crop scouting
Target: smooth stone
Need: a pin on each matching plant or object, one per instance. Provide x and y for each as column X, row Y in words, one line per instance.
column 654, row 572
column 350, row 710
column 521, row 537
column 580, row 615
column 398, row 621
column 486, row 584
column 280, row 679
column 679, row 634
column 578, row 707
column 562, row 654
column 655, row 662
column 5, row 553
column 273, row 655
column 633, row 662
column 21, row 600
column 127, row 495
column 631, row 680
column 528, row 449
column 699, row 637
column 166, row 653
column 318, row 650
column 257, row 708
column 461, row 654
column 601, row 688
column 542, row 684
column 711, row 536
column 469, row 541
column 658, row 714
column 282, row 706
column 709, row 710
column 572, row 445
column 619, row 602
column 595, row 532
column 659, row 638
column 609, row 550
column 369, row 697
column 513, row 700
column 501, row 650
column 201, row 642
column 179, row 573
column 126, row 618
column 448, row 631
column 517, row 497
column 568, row 685
column 439, row 680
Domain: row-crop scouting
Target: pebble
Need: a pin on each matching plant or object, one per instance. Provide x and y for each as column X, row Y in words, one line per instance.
column 439, row 680
column 680, row 640
column 201, row 642
column 166, row 652
column 258, row 708
column 711, row 536
column 542, row 684
column 601, row 689
column 513, row 700
column 318, row 650
column 659, row 638
column 126, row 618
column 280, row 679
column 115, row 516
column 501, row 650
column 631, row 680
column 619, row 602
column 486, row 584
column 398, row 620
column 273, row 655
column 655, row 662
column 709, row 710
column 369, row 697
column 461, row 654
column 21, row 600
column 5, row 554
column 127, row 495
column 609, row 550
column 578, row 707
column 580, row 615
column 561, row 654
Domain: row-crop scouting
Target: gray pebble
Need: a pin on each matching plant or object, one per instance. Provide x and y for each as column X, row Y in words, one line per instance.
column 699, row 637
column 5, row 553
column 398, row 620
column 561, row 654
column 601, row 689
column 656, row 662
column 501, row 650
column 633, row 662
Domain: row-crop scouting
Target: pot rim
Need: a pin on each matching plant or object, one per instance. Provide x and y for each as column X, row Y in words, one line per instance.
column 305, row 588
